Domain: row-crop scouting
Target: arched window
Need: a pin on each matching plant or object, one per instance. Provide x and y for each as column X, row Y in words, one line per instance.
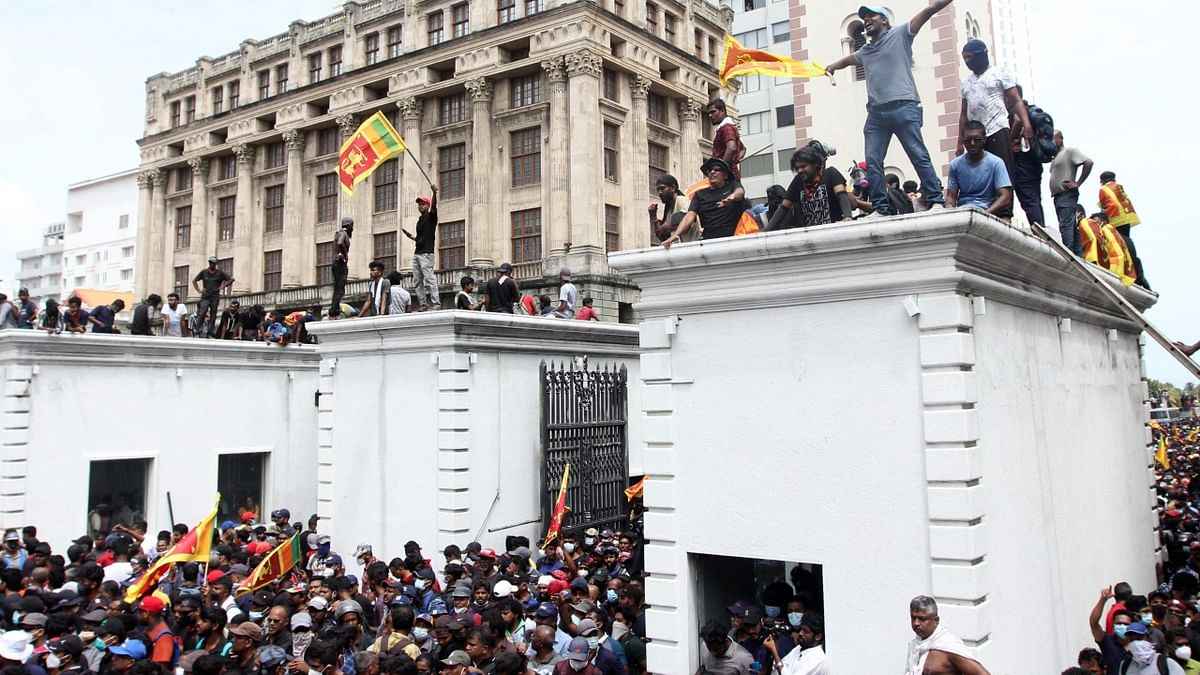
column 857, row 40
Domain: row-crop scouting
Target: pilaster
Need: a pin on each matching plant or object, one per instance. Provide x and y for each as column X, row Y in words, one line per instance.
column 204, row 235
column 454, row 452
column 690, row 157
column 159, row 270
column 14, row 451
column 557, row 180
column 325, row 442
column 412, row 111
column 634, row 233
column 247, row 230
column 481, row 218
column 145, row 217
column 299, row 269
column 587, row 221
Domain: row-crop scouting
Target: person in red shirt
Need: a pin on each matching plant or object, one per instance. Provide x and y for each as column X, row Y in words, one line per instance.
column 586, row 313
column 727, row 140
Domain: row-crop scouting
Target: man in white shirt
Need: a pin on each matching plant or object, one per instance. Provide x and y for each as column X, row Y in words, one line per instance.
column 568, row 296
column 174, row 317
column 808, row 657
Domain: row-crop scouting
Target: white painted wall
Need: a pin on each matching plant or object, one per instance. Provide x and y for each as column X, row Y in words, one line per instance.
column 95, row 211
column 73, row 399
column 894, row 400
column 430, row 427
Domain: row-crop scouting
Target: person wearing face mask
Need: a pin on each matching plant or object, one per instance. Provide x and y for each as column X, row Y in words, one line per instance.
column 578, row 661
column 34, row 623
column 65, row 656
column 320, row 659
column 428, row 599
column 622, row 632
column 422, row 633
column 110, row 632
column 1142, row 658
column 397, row 634
column 1142, row 613
column 318, row 563
column 460, row 603
column 1180, row 650
column 809, row 656
column 601, row 657
column 546, row 616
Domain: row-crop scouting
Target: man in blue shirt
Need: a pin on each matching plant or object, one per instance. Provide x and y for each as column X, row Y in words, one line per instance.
column 103, row 317
column 978, row 178
column 893, row 105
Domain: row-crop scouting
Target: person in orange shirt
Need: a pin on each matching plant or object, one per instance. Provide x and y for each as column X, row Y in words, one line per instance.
column 150, row 611
column 1121, row 216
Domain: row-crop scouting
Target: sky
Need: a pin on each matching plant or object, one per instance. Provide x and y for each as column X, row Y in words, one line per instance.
column 74, row 110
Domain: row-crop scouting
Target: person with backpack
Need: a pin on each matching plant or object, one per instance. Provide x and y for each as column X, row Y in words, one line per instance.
column 164, row 649
column 1028, row 159
column 1143, row 658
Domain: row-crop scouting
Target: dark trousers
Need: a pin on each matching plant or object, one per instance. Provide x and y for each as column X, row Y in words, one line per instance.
column 1000, row 145
column 206, row 311
column 340, row 272
column 1068, row 222
column 1027, row 184
column 1137, row 262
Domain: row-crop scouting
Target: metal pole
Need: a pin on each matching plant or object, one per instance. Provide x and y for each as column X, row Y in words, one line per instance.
column 419, row 167
column 170, row 509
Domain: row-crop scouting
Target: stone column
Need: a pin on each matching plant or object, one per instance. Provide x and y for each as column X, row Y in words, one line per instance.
column 556, row 221
column 481, row 218
column 587, row 222
column 204, row 234
column 690, row 156
column 634, row 232
column 160, row 272
column 299, row 243
column 142, row 285
column 351, row 206
column 412, row 109
column 247, row 232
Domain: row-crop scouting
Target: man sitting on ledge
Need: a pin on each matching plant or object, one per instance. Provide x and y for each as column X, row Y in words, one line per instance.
column 978, row 178
column 718, row 206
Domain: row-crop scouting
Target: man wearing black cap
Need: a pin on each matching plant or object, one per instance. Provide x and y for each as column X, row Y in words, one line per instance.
column 675, row 204
column 68, row 652
column 718, row 206
column 893, row 105
column 281, row 518
column 340, row 268
column 209, row 282
column 501, row 292
column 424, row 281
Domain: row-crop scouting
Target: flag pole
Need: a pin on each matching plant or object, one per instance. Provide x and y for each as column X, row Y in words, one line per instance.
column 419, row 167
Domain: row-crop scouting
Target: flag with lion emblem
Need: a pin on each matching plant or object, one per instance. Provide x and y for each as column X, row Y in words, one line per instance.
column 375, row 141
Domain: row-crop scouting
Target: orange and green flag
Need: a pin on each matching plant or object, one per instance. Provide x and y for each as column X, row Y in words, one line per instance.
column 374, row 143
column 1161, row 455
column 636, row 490
column 273, row 567
column 560, row 509
column 195, row 546
column 739, row 60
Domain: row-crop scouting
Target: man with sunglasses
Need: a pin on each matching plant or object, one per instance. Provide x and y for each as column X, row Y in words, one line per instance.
column 978, row 178
column 718, row 206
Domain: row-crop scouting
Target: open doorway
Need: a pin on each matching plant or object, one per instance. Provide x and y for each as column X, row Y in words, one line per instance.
column 116, row 494
column 240, row 482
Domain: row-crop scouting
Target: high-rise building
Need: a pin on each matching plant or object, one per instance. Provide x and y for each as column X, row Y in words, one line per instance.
column 1010, row 33
column 543, row 122
column 777, row 116
column 99, row 244
column 41, row 268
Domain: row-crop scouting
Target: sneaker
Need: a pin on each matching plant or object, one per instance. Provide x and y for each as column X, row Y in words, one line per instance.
column 937, row 206
column 873, row 214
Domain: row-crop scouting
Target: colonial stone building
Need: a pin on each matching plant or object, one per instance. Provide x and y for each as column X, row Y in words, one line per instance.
column 543, row 122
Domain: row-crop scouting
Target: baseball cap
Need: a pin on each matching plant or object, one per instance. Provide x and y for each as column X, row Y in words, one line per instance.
column 870, row 9
column 460, row 592
column 1137, row 628
column 459, row 658
column 423, row 200
column 490, row 552
column 584, row 606
column 301, row 619
column 280, row 513
column 578, row 650
column 239, row 569
column 227, row 525
column 362, row 550
column 504, row 267
column 34, row 619
column 133, row 649
column 94, row 616
column 213, row 259
column 249, row 515
column 586, row 627
column 334, row 559
column 272, row 656
column 318, row 603
column 67, row 644
column 214, row 575
column 12, row 535
column 323, row 539
column 751, row 614
column 247, row 629
column 564, row 273
column 347, row 607
column 112, row 627
column 502, row 589
column 547, row 610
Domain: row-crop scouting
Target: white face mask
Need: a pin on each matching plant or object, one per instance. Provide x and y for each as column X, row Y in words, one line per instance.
column 1183, row 653
column 53, row 662
column 577, row 666
column 619, row 630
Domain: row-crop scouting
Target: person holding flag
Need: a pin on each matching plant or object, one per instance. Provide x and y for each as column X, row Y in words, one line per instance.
column 893, row 104
column 194, row 546
column 719, row 207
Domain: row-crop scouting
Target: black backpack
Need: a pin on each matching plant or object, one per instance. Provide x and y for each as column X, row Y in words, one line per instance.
column 1162, row 665
column 1043, row 134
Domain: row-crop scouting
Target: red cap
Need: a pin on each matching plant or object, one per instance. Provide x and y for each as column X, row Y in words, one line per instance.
column 560, row 575
column 247, row 516
column 423, row 200
column 151, row 604
column 487, row 553
column 557, row 587
column 214, row 575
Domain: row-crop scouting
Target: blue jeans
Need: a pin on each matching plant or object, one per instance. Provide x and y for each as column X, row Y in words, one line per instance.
column 903, row 120
column 1068, row 220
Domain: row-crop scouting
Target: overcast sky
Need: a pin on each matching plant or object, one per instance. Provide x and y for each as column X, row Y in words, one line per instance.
column 74, row 84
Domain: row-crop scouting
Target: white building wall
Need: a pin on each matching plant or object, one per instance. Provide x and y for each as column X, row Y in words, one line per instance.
column 898, row 401
column 41, row 268
column 70, row 400
column 101, row 233
column 1011, row 36
column 437, row 416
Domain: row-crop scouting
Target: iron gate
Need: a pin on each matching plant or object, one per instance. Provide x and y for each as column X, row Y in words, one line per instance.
column 584, row 424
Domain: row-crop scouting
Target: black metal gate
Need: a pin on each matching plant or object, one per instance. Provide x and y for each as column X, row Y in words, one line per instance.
column 584, row 424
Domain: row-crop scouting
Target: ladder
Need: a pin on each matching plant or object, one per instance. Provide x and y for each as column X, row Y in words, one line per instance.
column 1098, row 280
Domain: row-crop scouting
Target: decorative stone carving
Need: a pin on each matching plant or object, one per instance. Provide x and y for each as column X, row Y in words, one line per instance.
column 199, row 169
column 294, row 138
column 689, row 110
column 412, row 109
column 158, row 177
column 638, row 87
column 584, row 63
column 556, row 70
column 245, row 153
column 348, row 124
column 481, row 90
column 144, row 181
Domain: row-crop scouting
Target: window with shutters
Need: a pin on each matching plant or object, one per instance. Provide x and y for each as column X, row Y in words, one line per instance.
column 275, row 155
column 460, row 20
column 325, row 263
column 327, row 198
column 526, row 235
column 612, row 156
column 452, row 170
column 452, row 108
column 452, row 245
column 386, row 178
column 526, row 157
column 506, row 10
column 226, row 207
column 273, row 209
column 314, row 67
column 272, row 270
column 183, row 228
column 395, row 41
column 435, row 28
column 612, row 228
column 335, row 61
column 385, row 250
column 180, row 287
column 525, row 90
column 659, row 161
column 371, row 48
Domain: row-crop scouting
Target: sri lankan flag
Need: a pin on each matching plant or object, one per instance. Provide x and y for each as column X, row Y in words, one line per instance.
column 560, row 509
column 277, row 563
column 1161, row 455
column 195, row 546
column 636, row 490
column 740, row 61
column 373, row 144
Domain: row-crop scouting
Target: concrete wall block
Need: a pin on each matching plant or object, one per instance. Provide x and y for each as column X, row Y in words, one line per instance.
column 14, row 469
column 652, row 334
column 950, row 387
column 664, row 594
column 325, row 491
column 958, row 542
column 947, row 349
column 951, row 426
column 966, row 582
column 451, row 459
column 16, row 404
column 662, row 559
column 659, row 461
column 663, row 624
column 325, row 455
column 326, row 368
column 16, row 388
column 453, row 500
column 665, row 526
column 664, row 653
column 12, row 503
column 955, row 503
column 454, row 400
column 14, row 520
column 19, row 373
column 660, row 493
column 454, row 440
column 962, row 464
column 325, row 438
column 656, row 366
column 968, row 621
column 324, row 419
column 15, row 420
column 454, row 480
column 325, row 402
column 657, row 398
column 14, row 437
column 454, row 361
column 945, row 311
column 454, row 379
column 658, row 429
column 454, row 421
column 12, row 486
column 454, row 520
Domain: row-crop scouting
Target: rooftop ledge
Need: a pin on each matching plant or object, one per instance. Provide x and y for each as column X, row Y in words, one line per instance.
column 30, row 347
column 963, row 250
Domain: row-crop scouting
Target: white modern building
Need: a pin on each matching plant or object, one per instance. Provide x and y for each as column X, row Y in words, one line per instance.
column 778, row 115
column 99, row 243
column 1010, row 32
column 41, row 268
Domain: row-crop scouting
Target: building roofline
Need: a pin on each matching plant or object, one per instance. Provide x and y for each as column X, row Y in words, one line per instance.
column 101, row 179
